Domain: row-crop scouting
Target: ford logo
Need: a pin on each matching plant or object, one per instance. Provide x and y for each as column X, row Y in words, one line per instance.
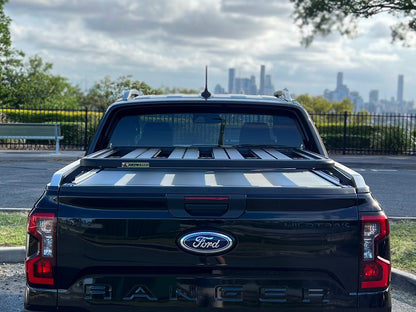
column 208, row 243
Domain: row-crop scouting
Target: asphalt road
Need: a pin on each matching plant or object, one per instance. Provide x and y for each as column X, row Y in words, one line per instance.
column 393, row 188
column 22, row 183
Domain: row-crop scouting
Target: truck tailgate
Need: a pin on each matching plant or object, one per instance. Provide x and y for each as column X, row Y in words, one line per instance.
column 293, row 240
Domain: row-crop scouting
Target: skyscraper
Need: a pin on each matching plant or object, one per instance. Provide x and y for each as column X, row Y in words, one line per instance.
column 268, row 86
column 262, row 79
column 400, row 89
column 340, row 80
column 341, row 92
column 374, row 94
column 231, row 79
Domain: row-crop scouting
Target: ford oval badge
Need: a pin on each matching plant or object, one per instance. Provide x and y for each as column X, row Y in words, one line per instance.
column 206, row 243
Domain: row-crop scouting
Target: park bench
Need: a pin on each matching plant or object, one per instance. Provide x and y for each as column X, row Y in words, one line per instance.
column 31, row 131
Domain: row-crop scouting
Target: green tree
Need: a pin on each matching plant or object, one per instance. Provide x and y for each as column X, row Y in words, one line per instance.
column 107, row 91
column 322, row 17
column 8, row 55
column 29, row 84
column 342, row 106
column 34, row 86
column 363, row 117
column 176, row 90
column 10, row 58
column 314, row 104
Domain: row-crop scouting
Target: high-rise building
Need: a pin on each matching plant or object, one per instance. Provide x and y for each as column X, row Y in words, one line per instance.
column 340, row 80
column 231, row 80
column 253, row 86
column 373, row 96
column 341, row 92
column 245, row 86
column 219, row 89
column 400, row 82
column 262, row 79
column 242, row 85
column 268, row 86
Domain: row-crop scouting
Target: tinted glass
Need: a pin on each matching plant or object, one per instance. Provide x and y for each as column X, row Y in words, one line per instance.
column 207, row 129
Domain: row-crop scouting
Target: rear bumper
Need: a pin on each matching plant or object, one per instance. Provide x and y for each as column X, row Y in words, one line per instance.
column 375, row 301
column 40, row 299
column 37, row 300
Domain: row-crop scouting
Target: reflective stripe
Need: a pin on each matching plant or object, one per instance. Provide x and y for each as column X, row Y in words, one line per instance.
column 125, row 179
column 168, row 179
column 133, row 154
column 177, row 153
column 211, row 180
column 257, row 179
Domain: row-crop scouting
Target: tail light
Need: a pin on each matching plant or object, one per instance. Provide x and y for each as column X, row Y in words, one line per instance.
column 375, row 270
column 40, row 261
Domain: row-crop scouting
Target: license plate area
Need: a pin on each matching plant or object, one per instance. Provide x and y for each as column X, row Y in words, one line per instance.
column 301, row 289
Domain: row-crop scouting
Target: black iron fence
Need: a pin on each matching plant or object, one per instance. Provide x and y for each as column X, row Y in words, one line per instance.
column 342, row 133
column 77, row 127
column 367, row 133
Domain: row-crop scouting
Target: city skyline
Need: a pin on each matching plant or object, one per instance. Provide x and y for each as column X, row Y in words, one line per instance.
column 169, row 42
column 238, row 85
column 244, row 85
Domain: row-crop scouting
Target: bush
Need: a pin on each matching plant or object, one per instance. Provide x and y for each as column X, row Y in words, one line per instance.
column 377, row 139
column 74, row 132
column 335, row 142
column 44, row 116
column 392, row 139
column 72, row 124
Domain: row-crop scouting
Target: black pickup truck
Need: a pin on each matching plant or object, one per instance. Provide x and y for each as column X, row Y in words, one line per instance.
column 186, row 203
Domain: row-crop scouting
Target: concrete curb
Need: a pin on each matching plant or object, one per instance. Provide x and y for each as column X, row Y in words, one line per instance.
column 12, row 254
column 404, row 281
column 376, row 162
column 8, row 155
column 355, row 161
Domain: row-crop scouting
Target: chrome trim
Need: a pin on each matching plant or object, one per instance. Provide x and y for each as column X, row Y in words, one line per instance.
column 229, row 242
column 357, row 178
column 60, row 174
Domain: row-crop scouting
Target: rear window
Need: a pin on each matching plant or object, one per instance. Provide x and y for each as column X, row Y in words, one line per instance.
column 207, row 129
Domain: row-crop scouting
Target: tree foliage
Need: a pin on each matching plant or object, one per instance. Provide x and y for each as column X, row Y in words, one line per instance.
column 33, row 85
column 6, row 49
column 10, row 58
column 176, row 90
column 322, row 17
column 343, row 106
column 320, row 105
column 314, row 104
column 107, row 91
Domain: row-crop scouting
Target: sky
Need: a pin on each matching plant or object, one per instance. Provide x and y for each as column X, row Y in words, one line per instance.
column 169, row 42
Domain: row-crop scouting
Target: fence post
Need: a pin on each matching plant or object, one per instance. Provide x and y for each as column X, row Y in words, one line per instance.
column 86, row 129
column 344, row 148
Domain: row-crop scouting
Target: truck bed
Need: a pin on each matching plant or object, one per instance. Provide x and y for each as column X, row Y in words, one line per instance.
column 212, row 167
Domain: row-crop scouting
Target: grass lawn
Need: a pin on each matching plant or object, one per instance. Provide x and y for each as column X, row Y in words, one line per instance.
column 403, row 245
column 403, row 238
column 12, row 229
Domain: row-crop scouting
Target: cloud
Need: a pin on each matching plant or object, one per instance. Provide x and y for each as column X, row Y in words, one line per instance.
column 169, row 42
column 260, row 8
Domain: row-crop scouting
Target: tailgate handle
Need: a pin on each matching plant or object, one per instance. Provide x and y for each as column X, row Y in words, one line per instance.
column 211, row 210
column 206, row 206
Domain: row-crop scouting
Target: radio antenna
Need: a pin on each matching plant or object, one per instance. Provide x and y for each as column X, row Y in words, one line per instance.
column 206, row 94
